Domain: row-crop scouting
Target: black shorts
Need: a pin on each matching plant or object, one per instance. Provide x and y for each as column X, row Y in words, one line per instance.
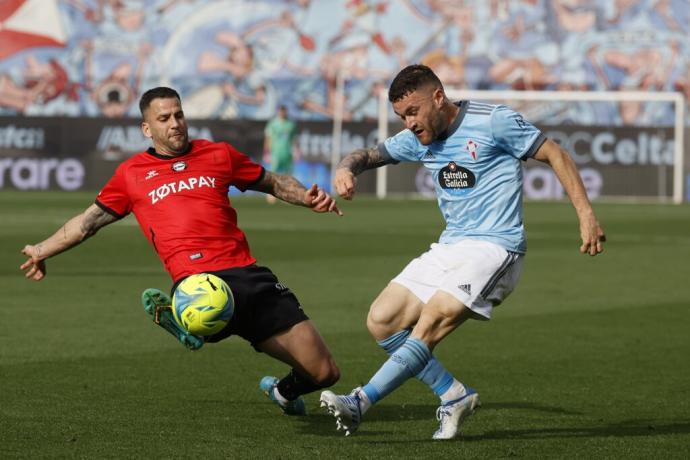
column 263, row 306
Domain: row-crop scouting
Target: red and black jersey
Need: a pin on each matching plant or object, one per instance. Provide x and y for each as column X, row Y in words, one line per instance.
column 182, row 205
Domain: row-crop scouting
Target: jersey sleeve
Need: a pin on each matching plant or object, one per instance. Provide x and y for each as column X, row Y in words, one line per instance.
column 113, row 197
column 244, row 171
column 513, row 134
column 404, row 146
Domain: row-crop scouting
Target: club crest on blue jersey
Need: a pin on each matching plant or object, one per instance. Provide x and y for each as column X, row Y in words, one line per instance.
column 472, row 148
column 455, row 178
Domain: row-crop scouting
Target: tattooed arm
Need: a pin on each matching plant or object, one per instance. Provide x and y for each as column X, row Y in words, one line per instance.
column 289, row 189
column 75, row 230
column 362, row 159
column 352, row 165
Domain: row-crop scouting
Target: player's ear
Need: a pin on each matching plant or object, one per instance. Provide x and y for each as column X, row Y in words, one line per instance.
column 439, row 96
column 146, row 129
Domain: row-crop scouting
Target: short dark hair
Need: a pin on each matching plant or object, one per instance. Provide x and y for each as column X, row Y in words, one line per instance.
column 161, row 92
column 410, row 79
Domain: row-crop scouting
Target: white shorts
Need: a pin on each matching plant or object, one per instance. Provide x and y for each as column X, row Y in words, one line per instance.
column 478, row 273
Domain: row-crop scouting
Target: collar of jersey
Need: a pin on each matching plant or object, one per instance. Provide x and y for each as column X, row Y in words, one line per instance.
column 456, row 123
column 151, row 151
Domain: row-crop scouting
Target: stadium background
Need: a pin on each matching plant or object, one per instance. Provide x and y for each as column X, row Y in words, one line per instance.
column 587, row 359
column 71, row 72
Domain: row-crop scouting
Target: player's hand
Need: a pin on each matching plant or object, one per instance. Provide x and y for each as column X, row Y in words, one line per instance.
column 35, row 267
column 344, row 183
column 593, row 236
column 320, row 201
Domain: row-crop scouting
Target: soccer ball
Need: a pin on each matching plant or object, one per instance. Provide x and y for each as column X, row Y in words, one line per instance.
column 203, row 304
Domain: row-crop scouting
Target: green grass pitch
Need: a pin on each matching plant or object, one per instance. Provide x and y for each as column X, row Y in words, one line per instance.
column 589, row 358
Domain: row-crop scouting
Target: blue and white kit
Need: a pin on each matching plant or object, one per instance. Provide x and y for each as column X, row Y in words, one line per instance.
column 477, row 175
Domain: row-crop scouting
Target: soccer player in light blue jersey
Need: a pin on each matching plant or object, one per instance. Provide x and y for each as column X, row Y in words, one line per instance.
column 474, row 152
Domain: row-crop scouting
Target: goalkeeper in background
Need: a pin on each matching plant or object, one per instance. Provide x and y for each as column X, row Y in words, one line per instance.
column 280, row 135
column 474, row 152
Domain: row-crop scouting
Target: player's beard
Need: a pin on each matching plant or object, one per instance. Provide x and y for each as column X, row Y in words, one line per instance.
column 434, row 127
column 178, row 143
column 429, row 134
column 426, row 137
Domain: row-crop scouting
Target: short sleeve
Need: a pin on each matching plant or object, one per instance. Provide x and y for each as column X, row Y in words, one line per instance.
column 513, row 134
column 244, row 171
column 404, row 146
column 113, row 197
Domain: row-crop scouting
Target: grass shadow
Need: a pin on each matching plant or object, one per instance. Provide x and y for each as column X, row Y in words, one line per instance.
column 530, row 406
column 320, row 423
column 628, row 428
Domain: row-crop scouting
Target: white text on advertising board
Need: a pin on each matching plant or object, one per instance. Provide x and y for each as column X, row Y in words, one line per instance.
column 639, row 148
column 14, row 137
column 41, row 173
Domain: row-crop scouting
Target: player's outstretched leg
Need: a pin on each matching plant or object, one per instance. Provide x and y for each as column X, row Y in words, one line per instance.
column 451, row 414
column 313, row 367
column 157, row 307
column 405, row 363
column 441, row 382
column 347, row 409
column 269, row 386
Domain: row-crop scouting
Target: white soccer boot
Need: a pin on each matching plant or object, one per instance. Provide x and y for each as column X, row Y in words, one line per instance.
column 345, row 408
column 452, row 413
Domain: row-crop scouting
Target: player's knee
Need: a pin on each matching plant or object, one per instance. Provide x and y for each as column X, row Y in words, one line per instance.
column 393, row 310
column 375, row 325
column 328, row 374
column 333, row 375
column 381, row 321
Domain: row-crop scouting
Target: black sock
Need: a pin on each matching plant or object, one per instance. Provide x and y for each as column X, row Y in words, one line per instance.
column 293, row 385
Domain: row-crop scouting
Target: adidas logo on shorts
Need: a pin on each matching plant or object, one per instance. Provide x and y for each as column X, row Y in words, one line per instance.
column 467, row 288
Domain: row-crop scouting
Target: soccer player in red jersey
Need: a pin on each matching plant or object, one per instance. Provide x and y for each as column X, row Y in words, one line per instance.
column 178, row 192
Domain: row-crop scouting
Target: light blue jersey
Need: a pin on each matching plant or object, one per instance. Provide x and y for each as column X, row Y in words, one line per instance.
column 477, row 172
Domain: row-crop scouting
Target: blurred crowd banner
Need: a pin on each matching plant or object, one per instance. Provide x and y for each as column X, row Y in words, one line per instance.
column 49, row 153
column 240, row 59
column 72, row 71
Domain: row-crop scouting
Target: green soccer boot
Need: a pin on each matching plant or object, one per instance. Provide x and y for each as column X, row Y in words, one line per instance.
column 157, row 307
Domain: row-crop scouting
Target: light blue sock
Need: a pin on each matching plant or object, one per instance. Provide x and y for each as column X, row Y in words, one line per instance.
column 434, row 374
column 403, row 364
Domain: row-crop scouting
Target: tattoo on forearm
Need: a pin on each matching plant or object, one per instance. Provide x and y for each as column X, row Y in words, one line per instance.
column 362, row 159
column 93, row 220
column 287, row 188
column 75, row 230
